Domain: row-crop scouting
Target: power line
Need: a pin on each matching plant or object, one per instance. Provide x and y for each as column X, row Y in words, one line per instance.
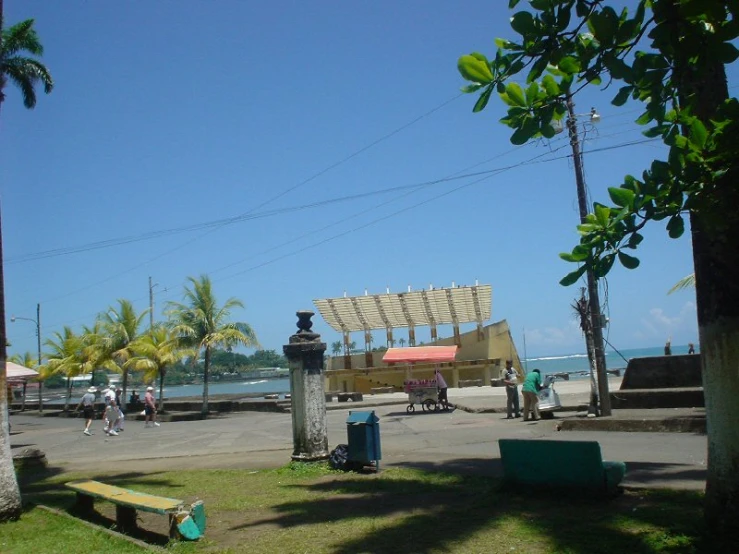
column 247, row 216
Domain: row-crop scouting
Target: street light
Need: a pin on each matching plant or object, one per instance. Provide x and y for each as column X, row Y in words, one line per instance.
column 37, row 321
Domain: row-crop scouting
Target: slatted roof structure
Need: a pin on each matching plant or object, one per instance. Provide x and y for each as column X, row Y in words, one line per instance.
column 407, row 309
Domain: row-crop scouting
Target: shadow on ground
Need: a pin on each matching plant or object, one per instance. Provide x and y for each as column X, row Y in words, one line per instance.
column 441, row 513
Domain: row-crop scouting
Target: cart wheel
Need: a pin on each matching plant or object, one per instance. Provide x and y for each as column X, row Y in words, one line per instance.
column 410, row 408
column 429, row 405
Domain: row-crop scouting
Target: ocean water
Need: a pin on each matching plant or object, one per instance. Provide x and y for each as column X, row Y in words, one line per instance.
column 579, row 362
column 566, row 363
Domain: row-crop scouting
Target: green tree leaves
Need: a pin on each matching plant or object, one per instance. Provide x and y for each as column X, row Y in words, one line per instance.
column 637, row 49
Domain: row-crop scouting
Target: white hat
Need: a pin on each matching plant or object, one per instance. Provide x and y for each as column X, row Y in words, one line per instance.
column 149, row 388
column 92, row 389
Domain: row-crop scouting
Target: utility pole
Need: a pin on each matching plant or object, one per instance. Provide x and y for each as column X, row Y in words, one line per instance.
column 151, row 305
column 595, row 316
column 38, row 343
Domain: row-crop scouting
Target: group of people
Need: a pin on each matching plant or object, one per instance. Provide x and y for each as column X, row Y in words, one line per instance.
column 530, row 391
column 113, row 416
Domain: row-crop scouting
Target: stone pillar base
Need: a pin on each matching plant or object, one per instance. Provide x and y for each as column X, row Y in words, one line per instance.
column 306, row 458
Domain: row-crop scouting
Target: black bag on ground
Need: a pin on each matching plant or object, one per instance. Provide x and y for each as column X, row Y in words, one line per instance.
column 338, row 457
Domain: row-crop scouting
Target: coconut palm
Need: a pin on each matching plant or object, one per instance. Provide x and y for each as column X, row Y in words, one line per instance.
column 68, row 357
column 27, row 360
column 25, row 73
column 401, row 342
column 112, row 344
column 155, row 352
column 336, row 347
column 199, row 323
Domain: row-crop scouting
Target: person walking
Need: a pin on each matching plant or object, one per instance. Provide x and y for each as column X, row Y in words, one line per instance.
column 121, row 418
column 110, row 418
column 150, row 408
column 88, row 408
column 530, row 389
column 112, row 415
column 510, row 378
column 442, row 388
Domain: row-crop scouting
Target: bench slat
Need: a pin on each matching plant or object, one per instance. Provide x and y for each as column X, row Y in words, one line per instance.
column 125, row 497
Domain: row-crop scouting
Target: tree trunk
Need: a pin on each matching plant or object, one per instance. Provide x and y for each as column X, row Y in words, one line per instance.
column 162, row 374
column 125, row 388
column 715, row 234
column 10, row 496
column 206, row 371
column 69, row 394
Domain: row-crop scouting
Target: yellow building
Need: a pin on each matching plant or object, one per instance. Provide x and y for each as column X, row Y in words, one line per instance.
column 481, row 353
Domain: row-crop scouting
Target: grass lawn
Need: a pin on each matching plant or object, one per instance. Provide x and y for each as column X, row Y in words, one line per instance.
column 311, row 509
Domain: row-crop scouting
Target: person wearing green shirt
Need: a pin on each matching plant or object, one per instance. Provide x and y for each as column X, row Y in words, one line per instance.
column 529, row 390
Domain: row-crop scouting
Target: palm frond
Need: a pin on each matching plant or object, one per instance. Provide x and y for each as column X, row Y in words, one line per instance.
column 687, row 282
column 21, row 37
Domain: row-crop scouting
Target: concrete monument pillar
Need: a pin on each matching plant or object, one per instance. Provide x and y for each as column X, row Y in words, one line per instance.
column 304, row 353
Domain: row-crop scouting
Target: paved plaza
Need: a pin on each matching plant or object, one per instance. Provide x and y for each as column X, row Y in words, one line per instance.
column 459, row 440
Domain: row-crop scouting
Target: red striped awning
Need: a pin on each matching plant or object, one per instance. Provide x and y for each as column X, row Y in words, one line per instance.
column 420, row 354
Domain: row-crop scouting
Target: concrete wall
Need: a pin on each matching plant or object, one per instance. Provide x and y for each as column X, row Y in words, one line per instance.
column 663, row 372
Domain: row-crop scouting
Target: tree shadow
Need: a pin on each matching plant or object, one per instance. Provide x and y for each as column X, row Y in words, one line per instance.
column 440, row 511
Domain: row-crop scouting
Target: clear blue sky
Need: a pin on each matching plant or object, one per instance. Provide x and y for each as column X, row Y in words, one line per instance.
column 171, row 114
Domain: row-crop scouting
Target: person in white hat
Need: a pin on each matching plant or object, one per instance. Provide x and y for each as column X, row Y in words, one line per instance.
column 88, row 408
column 150, row 408
column 111, row 413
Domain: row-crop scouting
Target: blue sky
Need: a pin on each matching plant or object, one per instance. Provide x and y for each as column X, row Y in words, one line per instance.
column 167, row 115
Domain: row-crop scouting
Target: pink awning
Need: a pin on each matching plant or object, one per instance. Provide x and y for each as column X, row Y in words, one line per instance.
column 18, row 373
column 420, row 354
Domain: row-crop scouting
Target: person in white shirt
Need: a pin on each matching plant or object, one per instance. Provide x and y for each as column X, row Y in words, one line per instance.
column 88, row 408
column 111, row 414
column 442, row 386
column 510, row 378
column 150, row 408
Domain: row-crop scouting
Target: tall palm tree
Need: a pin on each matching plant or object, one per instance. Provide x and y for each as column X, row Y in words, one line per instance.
column 27, row 360
column 25, row 73
column 67, row 357
column 401, row 342
column 113, row 345
column 201, row 324
column 155, row 352
column 336, row 347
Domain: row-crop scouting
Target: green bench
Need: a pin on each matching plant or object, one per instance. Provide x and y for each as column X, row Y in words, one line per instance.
column 572, row 465
column 187, row 522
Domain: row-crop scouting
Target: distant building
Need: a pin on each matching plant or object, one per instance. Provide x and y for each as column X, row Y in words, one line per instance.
column 481, row 353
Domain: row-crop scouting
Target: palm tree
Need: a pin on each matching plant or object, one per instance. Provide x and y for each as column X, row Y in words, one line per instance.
column 336, row 347
column 200, row 324
column 112, row 346
column 67, row 357
column 401, row 342
column 27, row 360
column 25, row 73
column 155, row 352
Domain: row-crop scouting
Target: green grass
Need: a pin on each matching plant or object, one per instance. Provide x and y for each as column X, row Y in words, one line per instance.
column 310, row 508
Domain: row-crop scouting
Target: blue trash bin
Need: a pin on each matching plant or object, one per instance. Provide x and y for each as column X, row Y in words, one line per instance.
column 363, row 434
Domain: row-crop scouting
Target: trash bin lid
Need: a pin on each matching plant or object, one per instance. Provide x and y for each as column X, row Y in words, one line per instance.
column 362, row 417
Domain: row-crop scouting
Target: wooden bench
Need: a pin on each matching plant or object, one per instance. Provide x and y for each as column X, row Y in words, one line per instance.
column 572, row 465
column 187, row 522
column 353, row 396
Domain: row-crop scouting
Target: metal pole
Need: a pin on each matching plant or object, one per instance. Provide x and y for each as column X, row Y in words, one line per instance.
column 595, row 319
column 38, row 342
column 151, row 305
